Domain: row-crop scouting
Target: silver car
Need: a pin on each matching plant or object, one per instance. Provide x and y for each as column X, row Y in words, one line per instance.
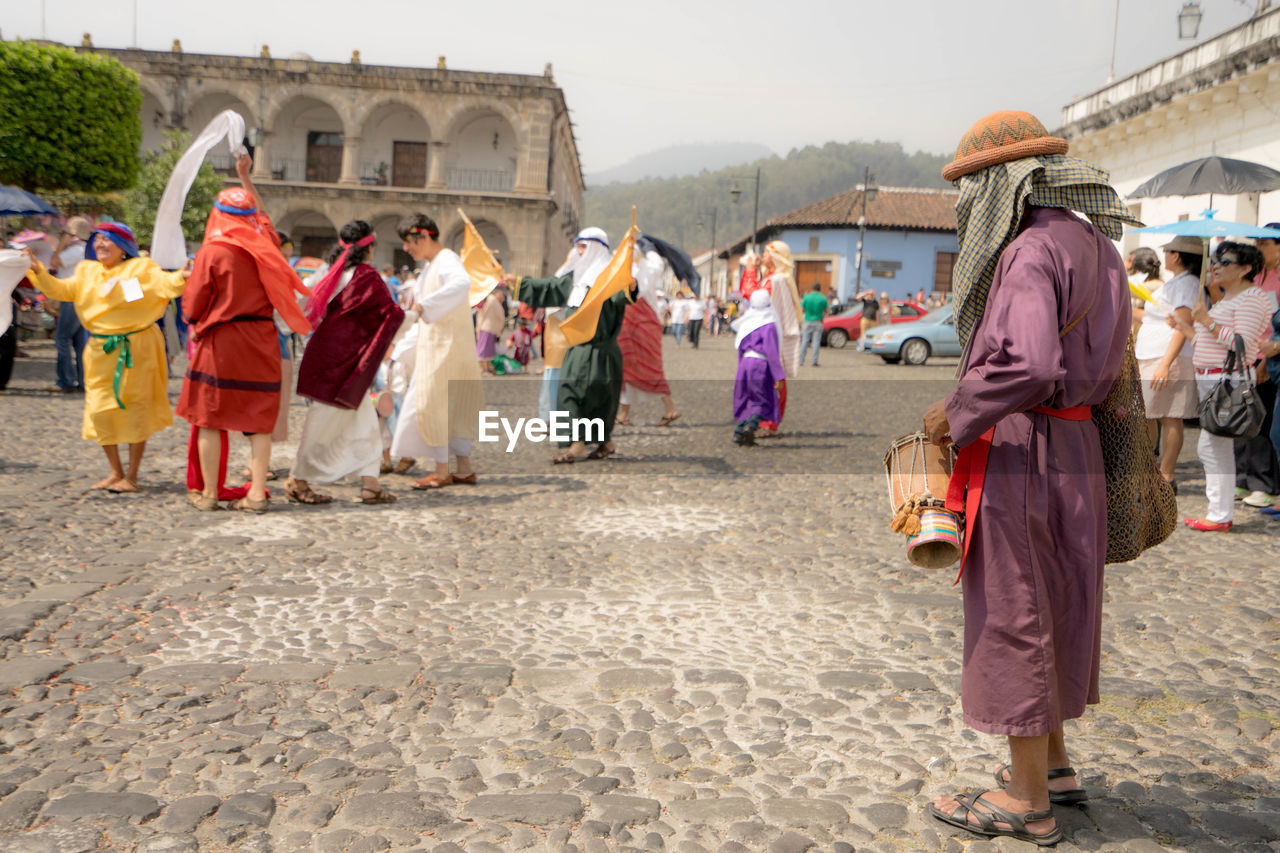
column 913, row 343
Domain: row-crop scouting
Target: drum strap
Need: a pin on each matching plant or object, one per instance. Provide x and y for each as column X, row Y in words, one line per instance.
column 964, row 492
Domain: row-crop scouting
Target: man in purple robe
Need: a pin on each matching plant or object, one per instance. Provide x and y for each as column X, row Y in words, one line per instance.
column 1042, row 308
column 755, row 389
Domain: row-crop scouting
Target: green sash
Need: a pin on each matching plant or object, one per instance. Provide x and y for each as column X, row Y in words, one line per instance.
column 110, row 343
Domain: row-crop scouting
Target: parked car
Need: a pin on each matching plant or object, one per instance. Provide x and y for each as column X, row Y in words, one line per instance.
column 914, row 342
column 846, row 325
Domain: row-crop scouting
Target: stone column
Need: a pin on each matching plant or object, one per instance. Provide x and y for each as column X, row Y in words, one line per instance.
column 350, row 160
column 436, row 161
column 262, row 159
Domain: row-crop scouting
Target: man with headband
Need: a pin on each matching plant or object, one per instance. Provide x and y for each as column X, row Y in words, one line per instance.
column 441, row 411
column 233, row 381
column 1043, row 313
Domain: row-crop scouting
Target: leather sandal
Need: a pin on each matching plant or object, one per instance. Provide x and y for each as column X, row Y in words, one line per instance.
column 469, row 480
column 990, row 814
column 604, row 451
column 1069, row 797
column 304, row 495
column 376, row 496
column 667, row 420
column 431, row 481
column 202, row 502
column 247, row 504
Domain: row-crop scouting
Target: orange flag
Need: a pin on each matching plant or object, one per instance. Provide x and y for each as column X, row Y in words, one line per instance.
column 479, row 263
column 581, row 326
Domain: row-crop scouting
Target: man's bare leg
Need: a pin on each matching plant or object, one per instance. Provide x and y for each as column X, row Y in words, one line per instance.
column 209, row 449
column 1028, row 789
column 259, row 460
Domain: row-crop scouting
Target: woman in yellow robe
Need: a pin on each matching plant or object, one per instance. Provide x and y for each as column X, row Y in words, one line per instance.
column 119, row 297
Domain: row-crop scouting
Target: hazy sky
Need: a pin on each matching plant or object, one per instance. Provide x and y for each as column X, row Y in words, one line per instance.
column 641, row 76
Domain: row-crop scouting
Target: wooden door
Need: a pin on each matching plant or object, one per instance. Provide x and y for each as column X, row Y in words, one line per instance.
column 942, row 271
column 408, row 164
column 324, row 157
column 807, row 272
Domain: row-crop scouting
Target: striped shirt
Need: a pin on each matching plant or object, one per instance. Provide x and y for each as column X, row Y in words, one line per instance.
column 1247, row 314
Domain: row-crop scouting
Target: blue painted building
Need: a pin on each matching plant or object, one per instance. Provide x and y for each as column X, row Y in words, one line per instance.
column 910, row 241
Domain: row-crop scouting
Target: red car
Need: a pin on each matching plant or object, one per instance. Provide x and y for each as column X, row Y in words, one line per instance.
column 839, row 329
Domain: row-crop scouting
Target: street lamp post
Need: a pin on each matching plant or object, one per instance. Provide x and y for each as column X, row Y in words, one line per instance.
column 711, row 261
column 868, row 193
column 755, row 212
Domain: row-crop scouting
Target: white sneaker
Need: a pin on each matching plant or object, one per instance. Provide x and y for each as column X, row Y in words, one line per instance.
column 1260, row 499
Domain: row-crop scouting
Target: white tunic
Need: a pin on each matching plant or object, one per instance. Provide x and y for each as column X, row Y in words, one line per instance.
column 444, row 399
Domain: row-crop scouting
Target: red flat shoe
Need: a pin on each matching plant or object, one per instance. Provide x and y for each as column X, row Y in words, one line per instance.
column 1208, row 526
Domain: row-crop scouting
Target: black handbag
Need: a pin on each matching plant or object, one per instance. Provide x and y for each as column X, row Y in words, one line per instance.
column 1233, row 408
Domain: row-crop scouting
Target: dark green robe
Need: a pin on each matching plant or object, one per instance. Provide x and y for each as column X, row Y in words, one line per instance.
column 591, row 374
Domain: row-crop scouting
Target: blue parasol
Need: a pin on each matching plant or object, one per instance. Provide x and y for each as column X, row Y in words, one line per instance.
column 1209, row 227
column 19, row 202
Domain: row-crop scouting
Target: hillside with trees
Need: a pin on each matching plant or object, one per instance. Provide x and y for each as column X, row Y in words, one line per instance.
column 679, row 209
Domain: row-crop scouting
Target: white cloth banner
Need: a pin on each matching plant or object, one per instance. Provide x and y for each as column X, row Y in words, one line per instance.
column 168, row 247
column 13, row 269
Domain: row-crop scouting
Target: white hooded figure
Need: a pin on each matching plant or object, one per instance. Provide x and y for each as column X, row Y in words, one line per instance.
column 587, row 258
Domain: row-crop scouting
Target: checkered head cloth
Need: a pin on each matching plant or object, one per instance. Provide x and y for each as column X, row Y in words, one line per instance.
column 990, row 208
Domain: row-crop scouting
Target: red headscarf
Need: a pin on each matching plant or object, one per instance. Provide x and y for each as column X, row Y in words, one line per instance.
column 236, row 221
column 323, row 292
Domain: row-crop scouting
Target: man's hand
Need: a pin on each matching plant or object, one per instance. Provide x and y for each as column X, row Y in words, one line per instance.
column 936, row 426
column 244, row 164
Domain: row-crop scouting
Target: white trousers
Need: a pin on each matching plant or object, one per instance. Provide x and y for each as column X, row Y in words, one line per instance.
column 1218, row 455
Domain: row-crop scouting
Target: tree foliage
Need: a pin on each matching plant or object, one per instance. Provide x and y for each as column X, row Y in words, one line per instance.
column 679, row 209
column 141, row 202
column 71, row 121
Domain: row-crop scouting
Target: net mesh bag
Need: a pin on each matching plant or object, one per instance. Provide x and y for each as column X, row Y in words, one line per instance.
column 1141, row 508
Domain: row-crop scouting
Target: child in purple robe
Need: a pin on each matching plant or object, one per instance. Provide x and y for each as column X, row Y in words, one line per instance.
column 755, row 389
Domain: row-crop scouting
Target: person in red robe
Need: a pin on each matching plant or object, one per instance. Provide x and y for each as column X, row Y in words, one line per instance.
column 233, row 380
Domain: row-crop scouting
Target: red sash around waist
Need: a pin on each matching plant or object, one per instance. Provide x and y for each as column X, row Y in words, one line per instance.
column 964, row 492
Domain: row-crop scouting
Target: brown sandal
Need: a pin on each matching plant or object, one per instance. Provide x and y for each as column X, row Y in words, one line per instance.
column 604, row 451
column 667, row 420
column 378, row 496
column 431, row 481
column 247, row 504
column 304, row 495
column 403, row 466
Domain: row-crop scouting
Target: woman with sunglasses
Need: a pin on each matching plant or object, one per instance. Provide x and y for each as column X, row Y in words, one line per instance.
column 1242, row 310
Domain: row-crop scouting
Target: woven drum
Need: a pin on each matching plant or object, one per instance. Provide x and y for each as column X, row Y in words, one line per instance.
column 919, row 472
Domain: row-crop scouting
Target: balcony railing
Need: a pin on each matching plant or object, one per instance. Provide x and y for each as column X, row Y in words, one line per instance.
column 485, row 180
column 222, row 163
column 289, row 170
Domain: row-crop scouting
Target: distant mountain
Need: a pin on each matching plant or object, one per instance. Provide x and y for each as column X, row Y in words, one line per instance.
column 680, row 160
column 680, row 209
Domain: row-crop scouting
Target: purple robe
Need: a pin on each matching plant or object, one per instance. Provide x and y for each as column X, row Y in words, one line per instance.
column 1033, row 576
column 342, row 357
column 753, row 391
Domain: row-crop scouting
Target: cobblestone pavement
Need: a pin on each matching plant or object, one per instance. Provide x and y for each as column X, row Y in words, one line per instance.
column 689, row 647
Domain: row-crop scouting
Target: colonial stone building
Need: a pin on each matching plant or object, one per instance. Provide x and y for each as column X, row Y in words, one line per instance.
column 339, row 141
column 1220, row 97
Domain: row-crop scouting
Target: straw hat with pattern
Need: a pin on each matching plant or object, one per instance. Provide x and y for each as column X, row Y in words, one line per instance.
column 999, row 138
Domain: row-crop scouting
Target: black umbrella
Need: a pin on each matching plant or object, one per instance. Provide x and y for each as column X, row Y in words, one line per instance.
column 19, row 202
column 1211, row 175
